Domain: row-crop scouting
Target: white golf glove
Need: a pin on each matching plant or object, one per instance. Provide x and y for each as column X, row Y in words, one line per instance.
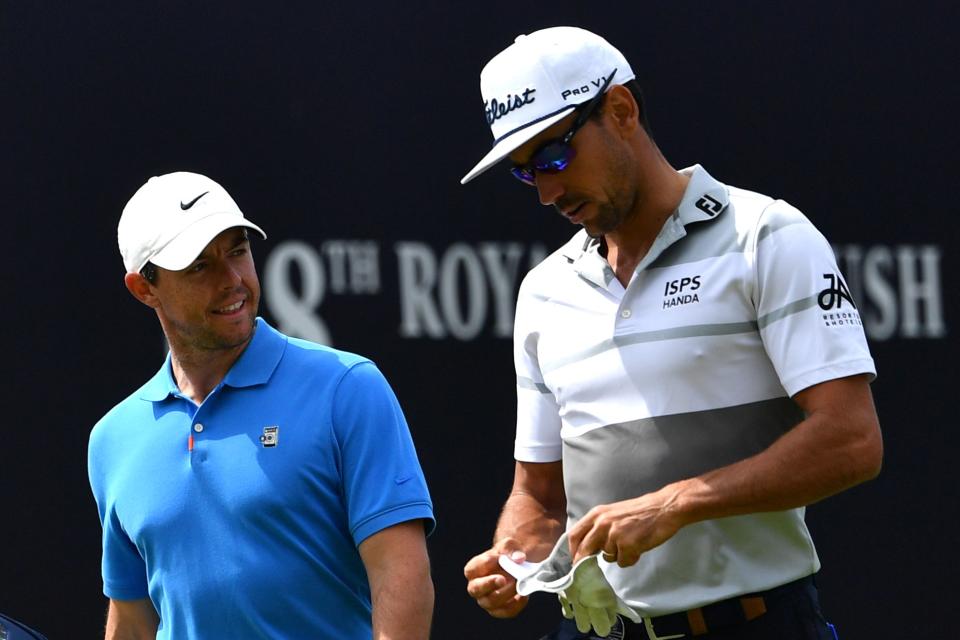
column 589, row 600
column 585, row 595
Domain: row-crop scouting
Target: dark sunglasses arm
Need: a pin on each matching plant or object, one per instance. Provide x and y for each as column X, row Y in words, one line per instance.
column 587, row 110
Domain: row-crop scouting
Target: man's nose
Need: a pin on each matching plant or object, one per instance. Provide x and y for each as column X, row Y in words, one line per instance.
column 549, row 187
column 230, row 276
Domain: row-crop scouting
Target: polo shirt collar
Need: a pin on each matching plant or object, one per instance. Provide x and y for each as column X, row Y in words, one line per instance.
column 583, row 254
column 254, row 366
column 704, row 199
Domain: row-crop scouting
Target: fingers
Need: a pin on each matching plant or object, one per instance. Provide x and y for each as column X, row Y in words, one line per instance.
column 497, row 595
column 581, row 615
column 483, row 564
column 489, row 585
column 601, row 620
column 610, row 551
column 593, row 540
column 627, row 557
column 622, row 531
column 577, row 532
column 488, row 563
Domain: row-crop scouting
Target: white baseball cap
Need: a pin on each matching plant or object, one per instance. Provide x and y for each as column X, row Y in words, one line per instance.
column 538, row 80
column 171, row 218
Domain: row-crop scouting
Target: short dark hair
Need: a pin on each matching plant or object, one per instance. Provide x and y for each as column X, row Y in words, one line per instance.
column 634, row 88
column 150, row 272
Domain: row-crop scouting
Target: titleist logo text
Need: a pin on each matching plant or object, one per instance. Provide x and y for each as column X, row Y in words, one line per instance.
column 496, row 109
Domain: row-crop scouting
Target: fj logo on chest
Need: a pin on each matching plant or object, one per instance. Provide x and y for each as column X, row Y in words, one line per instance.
column 270, row 437
column 681, row 291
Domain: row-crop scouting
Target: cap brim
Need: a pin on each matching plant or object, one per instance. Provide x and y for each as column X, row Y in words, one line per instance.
column 514, row 140
column 184, row 249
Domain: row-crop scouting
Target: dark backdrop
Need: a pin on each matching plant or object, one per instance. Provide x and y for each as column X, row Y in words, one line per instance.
column 343, row 129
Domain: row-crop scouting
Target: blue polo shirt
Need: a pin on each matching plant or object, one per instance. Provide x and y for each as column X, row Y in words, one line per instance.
column 241, row 518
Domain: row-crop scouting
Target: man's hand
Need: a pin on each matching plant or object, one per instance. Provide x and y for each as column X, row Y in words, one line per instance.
column 529, row 525
column 493, row 588
column 624, row 530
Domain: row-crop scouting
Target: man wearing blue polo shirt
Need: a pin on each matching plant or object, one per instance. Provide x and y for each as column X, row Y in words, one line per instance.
column 258, row 486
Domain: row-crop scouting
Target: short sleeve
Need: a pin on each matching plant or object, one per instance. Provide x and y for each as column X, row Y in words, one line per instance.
column 123, row 568
column 809, row 323
column 383, row 483
column 124, row 571
column 538, row 414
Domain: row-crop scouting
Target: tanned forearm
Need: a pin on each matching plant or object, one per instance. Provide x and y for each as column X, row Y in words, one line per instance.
column 830, row 451
column 836, row 447
column 403, row 606
column 131, row 620
column 534, row 514
column 401, row 590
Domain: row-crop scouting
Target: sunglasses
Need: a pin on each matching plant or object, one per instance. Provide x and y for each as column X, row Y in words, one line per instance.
column 555, row 155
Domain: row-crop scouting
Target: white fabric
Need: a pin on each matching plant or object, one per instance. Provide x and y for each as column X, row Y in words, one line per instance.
column 584, row 593
column 723, row 312
column 171, row 218
column 538, row 80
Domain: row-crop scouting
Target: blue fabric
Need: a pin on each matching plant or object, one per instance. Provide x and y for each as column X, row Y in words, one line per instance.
column 237, row 539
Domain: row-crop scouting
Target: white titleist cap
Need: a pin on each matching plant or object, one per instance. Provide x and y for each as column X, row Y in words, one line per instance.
column 538, row 80
column 171, row 218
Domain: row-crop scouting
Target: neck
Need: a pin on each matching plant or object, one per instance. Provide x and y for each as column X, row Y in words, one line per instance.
column 660, row 188
column 199, row 371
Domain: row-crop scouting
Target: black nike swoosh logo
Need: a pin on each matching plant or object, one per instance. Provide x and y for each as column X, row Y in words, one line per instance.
column 192, row 202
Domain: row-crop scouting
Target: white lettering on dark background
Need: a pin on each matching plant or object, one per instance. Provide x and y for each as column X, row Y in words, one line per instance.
column 459, row 292
column 466, row 291
column 897, row 288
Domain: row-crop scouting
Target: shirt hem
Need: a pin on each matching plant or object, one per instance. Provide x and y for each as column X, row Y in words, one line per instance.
column 797, row 384
column 396, row 515
column 121, row 593
column 538, row 454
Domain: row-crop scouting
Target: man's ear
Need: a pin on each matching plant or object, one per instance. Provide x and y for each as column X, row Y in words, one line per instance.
column 623, row 109
column 141, row 289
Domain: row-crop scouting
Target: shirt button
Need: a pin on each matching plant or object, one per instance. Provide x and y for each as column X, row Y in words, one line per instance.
column 198, row 427
column 626, row 313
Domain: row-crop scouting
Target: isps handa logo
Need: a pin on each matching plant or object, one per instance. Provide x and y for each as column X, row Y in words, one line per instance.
column 832, row 299
column 681, row 291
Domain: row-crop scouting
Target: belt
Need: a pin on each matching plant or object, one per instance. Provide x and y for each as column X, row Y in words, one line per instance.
column 718, row 615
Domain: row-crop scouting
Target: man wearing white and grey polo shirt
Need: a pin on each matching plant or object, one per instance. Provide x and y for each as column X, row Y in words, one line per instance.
column 691, row 373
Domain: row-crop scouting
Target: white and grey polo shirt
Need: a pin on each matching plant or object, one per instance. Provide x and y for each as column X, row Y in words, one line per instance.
column 738, row 306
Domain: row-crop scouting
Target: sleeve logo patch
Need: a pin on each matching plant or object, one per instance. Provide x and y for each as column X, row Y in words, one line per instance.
column 832, row 298
column 836, row 292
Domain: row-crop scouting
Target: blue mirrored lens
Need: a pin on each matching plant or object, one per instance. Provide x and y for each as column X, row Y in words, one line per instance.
column 553, row 157
column 554, row 165
column 524, row 175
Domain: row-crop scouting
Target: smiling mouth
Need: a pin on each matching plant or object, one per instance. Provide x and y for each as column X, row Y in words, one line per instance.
column 236, row 306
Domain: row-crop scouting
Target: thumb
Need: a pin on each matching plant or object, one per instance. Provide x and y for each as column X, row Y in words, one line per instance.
column 511, row 548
